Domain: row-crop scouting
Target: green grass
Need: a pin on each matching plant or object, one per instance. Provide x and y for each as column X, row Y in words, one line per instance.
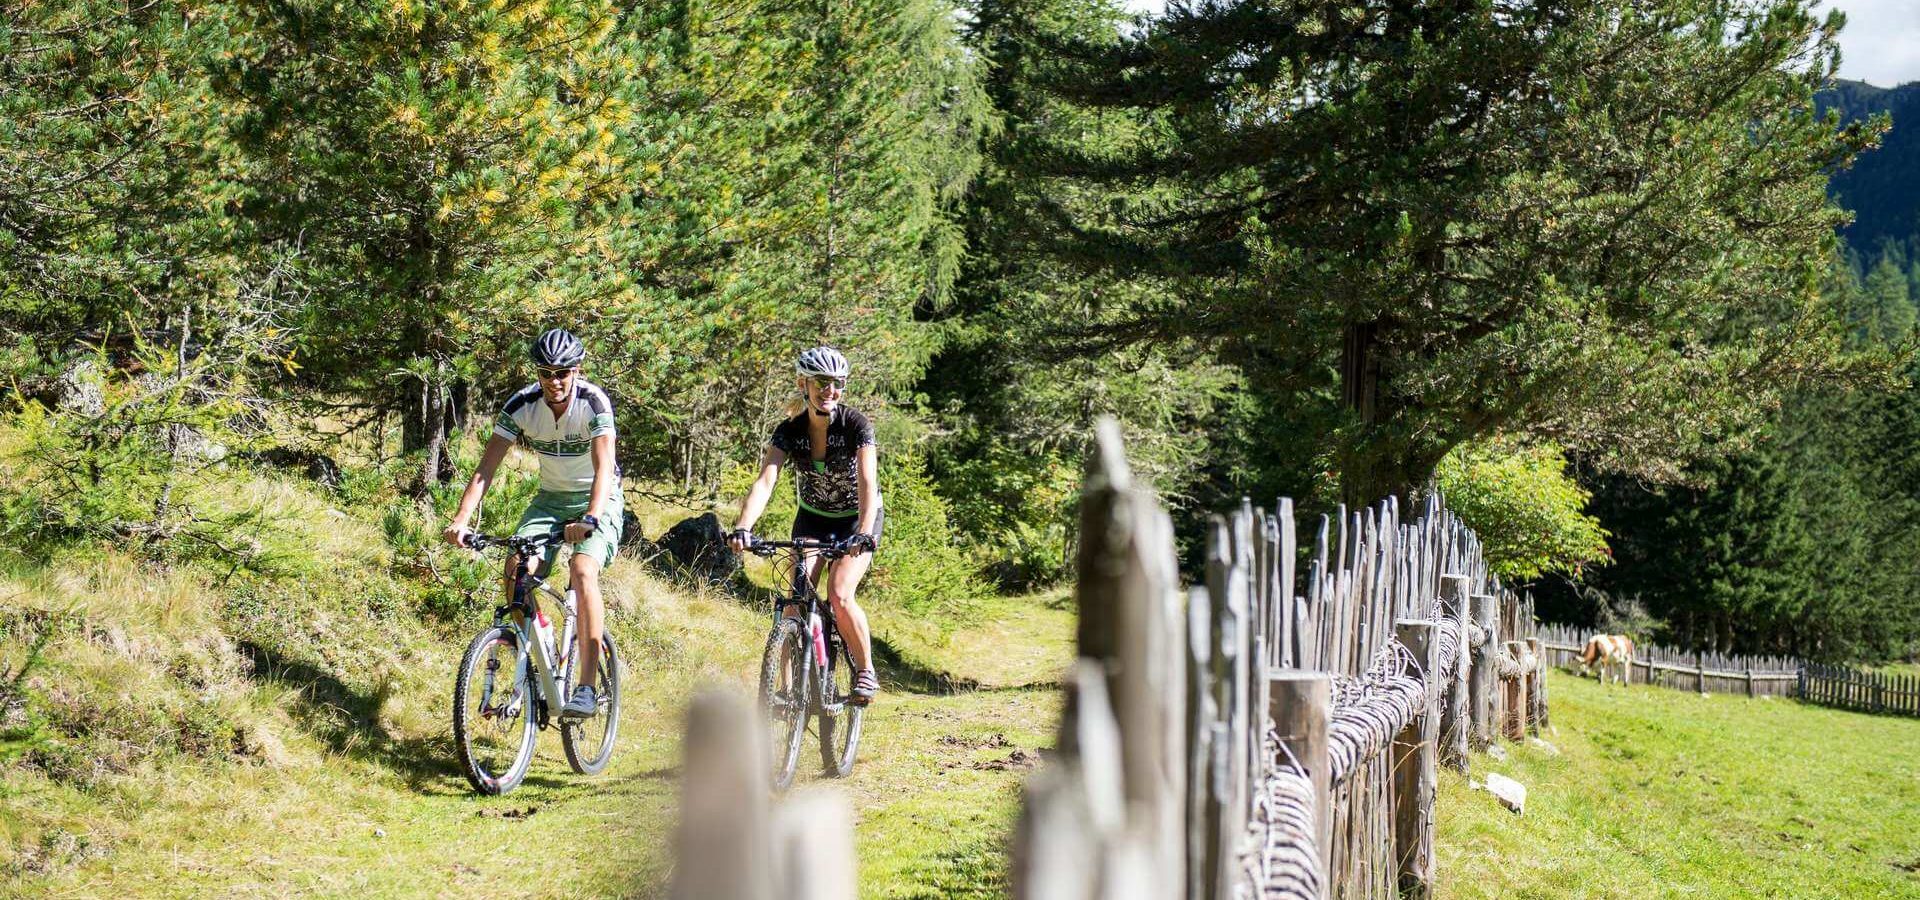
column 287, row 733
column 1664, row 793
column 1006, row 642
column 1903, row 669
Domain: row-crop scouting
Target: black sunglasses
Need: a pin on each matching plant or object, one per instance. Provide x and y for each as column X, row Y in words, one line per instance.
column 823, row 382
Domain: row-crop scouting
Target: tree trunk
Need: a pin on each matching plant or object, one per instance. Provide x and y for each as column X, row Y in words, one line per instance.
column 435, row 409
column 1375, row 462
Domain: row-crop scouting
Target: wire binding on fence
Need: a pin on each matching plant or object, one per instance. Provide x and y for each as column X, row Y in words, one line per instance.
column 1288, row 864
column 1370, row 709
column 1506, row 665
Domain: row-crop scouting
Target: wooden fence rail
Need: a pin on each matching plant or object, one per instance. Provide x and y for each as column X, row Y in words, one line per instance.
column 1707, row 673
column 1875, row 692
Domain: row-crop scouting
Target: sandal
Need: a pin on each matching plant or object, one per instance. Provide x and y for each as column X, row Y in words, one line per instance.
column 865, row 685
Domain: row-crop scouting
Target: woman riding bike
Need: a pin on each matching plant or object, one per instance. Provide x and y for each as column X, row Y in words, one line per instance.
column 835, row 461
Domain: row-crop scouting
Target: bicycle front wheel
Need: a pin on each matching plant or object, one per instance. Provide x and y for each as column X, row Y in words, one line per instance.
column 589, row 741
column 493, row 730
column 784, row 675
column 840, row 719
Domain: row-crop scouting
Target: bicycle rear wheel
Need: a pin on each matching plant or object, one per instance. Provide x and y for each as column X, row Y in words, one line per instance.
column 785, row 668
column 589, row 741
column 493, row 730
column 840, row 719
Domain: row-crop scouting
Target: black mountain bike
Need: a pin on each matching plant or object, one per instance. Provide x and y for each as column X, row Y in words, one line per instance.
column 512, row 683
column 807, row 670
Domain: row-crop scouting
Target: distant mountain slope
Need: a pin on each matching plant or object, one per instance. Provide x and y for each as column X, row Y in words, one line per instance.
column 1883, row 186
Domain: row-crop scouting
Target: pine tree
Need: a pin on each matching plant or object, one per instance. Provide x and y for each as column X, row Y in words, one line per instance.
column 431, row 159
column 1599, row 224
column 1013, row 396
column 808, row 193
column 1802, row 543
column 1887, row 315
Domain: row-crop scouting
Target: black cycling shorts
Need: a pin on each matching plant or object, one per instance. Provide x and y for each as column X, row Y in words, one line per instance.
column 810, row 524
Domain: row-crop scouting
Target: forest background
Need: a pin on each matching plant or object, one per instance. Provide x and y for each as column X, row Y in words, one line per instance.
column 1578, row 265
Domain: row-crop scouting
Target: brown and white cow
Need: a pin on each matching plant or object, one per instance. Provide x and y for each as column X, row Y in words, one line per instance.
column 1607, row 651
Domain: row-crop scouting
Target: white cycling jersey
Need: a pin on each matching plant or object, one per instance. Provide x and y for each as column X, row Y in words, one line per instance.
column 565, row 444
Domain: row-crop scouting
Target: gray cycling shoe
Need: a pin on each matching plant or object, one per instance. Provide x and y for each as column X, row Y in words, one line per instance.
column 865, row 685
column 582, row 706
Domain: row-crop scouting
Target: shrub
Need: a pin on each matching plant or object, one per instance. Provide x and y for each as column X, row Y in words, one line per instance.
column 1529, row 513
column 456, row 581
column 923, row 568
column 1013, row 508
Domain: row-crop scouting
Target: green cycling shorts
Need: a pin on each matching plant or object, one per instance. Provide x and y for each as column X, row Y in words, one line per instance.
column 553, row 508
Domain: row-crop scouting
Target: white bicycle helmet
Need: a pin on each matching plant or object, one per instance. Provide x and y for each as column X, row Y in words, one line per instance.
column 558, row 347
column 822, row 361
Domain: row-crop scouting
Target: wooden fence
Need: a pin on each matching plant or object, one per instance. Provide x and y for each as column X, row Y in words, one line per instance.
column 1707, row 673
column 1754, row 676
column 732, row 844
column 1275, row 733
column 1864, row 691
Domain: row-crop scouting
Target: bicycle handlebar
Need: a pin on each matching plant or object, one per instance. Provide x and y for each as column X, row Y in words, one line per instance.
column 828, row 549
column 525, row 546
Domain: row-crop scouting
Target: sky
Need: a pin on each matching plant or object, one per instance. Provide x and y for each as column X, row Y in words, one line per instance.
column 1880, row 45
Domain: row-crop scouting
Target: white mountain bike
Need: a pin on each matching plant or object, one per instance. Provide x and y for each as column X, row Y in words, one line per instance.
column 516, row 676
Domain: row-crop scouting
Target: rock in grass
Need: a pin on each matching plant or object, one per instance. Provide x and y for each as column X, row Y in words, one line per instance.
column 1497, row 752
column 699, row 546
column 1543, row 746
column 1511, row 794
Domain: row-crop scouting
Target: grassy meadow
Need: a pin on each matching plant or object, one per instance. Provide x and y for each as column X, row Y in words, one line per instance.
column 1658, row 792
column 207, row 733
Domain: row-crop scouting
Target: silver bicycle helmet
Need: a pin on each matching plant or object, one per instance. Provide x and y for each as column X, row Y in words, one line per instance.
column 823, row 361
column 558, row 347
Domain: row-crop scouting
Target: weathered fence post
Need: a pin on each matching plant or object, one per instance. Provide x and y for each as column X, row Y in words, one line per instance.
column 1750, row 691
column 1480, row 688
column 1700, row 671
column 723, row 842
column 1414, row 767
column 1457, row 720
column 1302, row 708
column 1205, row 741
column 1074, row 811
column 1536, row 687
column 1515, row 713
column 1132, row 621
column 813, row 846
column 1227, row 583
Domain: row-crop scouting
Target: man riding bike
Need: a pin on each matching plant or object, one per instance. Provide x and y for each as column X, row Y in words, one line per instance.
column 568, row 421
column 835, row 461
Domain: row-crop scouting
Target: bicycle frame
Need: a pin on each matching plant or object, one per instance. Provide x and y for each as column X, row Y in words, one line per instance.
column 518, row 613
column 813, row 609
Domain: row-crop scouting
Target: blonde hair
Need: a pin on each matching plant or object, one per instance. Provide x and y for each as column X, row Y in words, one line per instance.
column 797, row 403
